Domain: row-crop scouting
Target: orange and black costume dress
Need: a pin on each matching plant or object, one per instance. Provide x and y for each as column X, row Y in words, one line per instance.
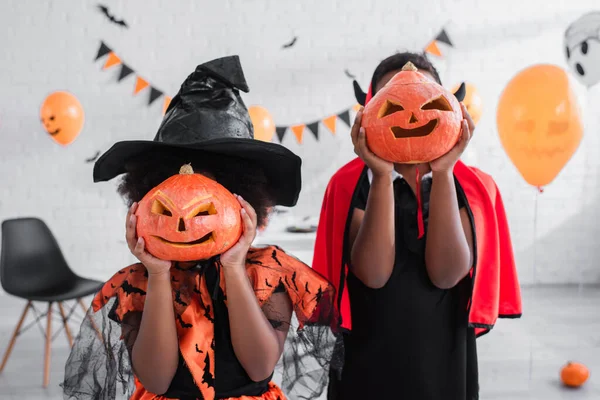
column 99, row 366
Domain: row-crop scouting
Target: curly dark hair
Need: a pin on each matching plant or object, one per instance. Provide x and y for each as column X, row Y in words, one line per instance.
column 396, row 61
column 239, row 176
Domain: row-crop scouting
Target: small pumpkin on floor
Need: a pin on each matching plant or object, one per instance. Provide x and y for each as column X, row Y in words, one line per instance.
column 574, row 374
column 188, row 217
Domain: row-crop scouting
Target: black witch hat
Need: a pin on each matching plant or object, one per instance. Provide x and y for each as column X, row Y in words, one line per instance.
column 209, row 116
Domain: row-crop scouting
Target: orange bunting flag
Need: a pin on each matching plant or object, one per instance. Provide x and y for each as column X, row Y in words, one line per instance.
column 356, row 107
column 298, row 132
column 111, row 61
column 140, row 84
column 433, row 48
column 166, row 104
column 329, row 122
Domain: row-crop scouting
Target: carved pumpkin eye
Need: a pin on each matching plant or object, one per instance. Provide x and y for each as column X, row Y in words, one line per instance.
column 557, row 127
column 527, row 125
column 439, row 103
column 159, row 208
column 204, row 210
column 389, row 108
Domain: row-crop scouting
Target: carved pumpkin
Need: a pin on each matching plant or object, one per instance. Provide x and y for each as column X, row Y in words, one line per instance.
column 412, row 119
column 574, row 374
column 188, row 217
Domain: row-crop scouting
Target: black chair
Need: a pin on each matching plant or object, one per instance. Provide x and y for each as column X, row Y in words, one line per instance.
column 33, row 268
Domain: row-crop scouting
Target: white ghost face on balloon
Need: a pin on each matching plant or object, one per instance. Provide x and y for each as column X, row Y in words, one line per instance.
column 582, row 48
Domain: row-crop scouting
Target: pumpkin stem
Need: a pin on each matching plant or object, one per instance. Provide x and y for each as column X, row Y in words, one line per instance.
column 409, row 67
column 186, row 169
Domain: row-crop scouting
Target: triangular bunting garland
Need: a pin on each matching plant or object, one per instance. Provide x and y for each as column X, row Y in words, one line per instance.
column 154, row 94
column 125, row 72
column 356, row 107
column 280, row 130
column 314, row 128
column 140, row 84
column 329, row 122
column 111, row 61
column 433, row 48
column 298, row 132
column 443, row 37
column 345, row 116
column 102, row 51
column 166, row 104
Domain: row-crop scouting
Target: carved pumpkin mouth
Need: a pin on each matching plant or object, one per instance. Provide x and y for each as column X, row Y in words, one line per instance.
column 204, row 239
column 401, row 133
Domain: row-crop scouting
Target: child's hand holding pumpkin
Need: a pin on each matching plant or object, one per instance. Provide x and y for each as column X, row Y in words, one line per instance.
column 446, row 162
column 235, row 257
column 378, row 166
column 137, row 246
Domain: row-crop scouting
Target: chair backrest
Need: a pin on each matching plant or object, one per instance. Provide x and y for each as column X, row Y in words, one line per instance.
column 31, row 262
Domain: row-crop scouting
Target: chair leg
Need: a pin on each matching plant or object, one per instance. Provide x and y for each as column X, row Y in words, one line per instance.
column 83, row 307
column 85, row 310
column 48, row 347
column 13, row 339
column 65, row 323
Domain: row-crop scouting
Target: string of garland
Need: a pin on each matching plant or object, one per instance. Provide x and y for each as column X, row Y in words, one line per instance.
column 298, row 130
column 141, row 84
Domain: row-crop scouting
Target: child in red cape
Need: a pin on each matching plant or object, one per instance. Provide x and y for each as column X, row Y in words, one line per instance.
column 412, row 307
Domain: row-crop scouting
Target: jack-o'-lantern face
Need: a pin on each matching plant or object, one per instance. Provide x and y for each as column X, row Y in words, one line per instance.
column 412, row 119
column 188, row 217
column 62, row 116
column 539, row 122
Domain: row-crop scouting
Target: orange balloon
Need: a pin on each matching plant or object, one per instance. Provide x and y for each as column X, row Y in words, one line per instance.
column 472, row 101
column 62, row 117
column 539, row 122
column 264, row 126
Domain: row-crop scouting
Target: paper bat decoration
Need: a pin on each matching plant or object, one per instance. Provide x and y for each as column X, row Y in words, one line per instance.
column 290, row 44
column 104, row 10
column 93, row 158
column 129, row 289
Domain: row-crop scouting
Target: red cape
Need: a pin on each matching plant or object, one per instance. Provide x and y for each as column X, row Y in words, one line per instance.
column 496, row 291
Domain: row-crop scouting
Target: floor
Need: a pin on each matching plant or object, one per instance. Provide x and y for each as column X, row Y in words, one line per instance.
column 519, row 359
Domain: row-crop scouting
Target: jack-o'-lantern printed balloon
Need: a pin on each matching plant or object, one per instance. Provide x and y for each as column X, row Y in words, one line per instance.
column 412, row 119
column 472, row 101
column 582, row 48
column 539, row 122
column 62, row 116
column 188, row 217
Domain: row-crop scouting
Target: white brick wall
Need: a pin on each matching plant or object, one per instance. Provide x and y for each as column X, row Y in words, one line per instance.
column 48, row 46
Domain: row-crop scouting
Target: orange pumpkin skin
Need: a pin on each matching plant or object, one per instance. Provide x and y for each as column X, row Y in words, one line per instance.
column 188, row 217
column 412, row 119
column 574, row 374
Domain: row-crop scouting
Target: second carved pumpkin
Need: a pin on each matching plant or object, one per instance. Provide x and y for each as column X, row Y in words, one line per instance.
column 188, row 217
column 412, row 119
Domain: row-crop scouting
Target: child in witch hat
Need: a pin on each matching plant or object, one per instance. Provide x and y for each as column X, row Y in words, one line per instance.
column 412, row 301
column 209, row 329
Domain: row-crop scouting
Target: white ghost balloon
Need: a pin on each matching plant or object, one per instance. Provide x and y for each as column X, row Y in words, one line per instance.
column 582, row 48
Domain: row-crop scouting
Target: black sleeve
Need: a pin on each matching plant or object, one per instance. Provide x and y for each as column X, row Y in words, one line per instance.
column 360, row 198
column 460, row 195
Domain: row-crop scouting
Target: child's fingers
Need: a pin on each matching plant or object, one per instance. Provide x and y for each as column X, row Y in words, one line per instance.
column 467, row 116
column 249, row 226
column 248, row 207
column 362, row 142
column 465, row 136
column 130, row 232
column 356, row 126
column 130, row 212
column 138, row 250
